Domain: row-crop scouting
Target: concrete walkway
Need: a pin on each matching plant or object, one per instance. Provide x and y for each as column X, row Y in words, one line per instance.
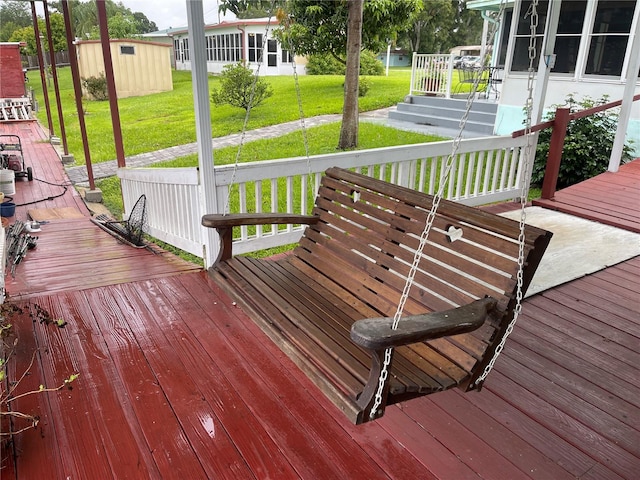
column 78, row 174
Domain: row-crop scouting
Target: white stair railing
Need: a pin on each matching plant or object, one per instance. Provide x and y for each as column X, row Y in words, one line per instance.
column 431, row 74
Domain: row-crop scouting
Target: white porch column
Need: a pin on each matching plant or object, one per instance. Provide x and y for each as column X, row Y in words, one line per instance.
column 545, row 65
column 627, row 101
column 547, row 58
column 208, row 203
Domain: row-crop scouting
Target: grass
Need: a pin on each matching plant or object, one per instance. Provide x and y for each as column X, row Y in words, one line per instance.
column 167, row 119
column 321, row 139
column 162, row 120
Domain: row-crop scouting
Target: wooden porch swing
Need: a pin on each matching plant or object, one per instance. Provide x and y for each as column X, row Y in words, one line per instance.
column 329, row 304
column 333, row 304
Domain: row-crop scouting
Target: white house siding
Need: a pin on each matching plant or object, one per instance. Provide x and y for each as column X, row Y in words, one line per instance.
column 577, row 81
column 223, row 48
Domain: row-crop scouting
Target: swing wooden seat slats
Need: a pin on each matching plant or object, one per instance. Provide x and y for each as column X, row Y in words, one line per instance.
column 328, row 303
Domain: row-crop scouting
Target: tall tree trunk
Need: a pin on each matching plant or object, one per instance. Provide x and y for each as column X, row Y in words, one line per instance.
column 349, row 130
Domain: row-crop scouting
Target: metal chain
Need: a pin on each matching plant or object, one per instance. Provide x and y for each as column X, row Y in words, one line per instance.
column 384, row 373
column 533, row 12
column 248, row 113
column 303, row 125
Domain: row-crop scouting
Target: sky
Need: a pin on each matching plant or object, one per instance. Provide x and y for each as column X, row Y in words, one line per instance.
column 173, row 13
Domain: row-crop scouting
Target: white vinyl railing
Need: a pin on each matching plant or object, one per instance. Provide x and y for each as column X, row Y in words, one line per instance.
column 431, row 74
column 485, row 170
column 173, row 204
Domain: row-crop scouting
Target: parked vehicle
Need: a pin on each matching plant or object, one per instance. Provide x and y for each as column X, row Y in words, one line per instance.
column 471, row 62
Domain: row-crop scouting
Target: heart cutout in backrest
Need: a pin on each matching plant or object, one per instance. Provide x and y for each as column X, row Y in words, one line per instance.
column 454, row 233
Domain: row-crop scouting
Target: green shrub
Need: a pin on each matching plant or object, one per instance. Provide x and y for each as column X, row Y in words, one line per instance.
column 587, row 146
column 236, row 84
column 370, row 65
column 364, row 84
column 96, row 87
column 325, row 64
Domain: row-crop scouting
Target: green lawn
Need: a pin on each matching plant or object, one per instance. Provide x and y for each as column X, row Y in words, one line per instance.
column 322, row 139
column 167, row 119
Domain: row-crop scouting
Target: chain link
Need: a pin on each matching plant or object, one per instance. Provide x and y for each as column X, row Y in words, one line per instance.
column 303, row 125
column 256, row 76
column 528, row 153
column 384, row 373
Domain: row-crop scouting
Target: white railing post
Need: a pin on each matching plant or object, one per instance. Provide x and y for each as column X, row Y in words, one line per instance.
column 413, row 73
column 449, row 76
column 199, row 75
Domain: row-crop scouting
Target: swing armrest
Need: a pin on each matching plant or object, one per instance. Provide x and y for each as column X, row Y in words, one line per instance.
column 218, row 220
column 225, row 223
column 377, row 334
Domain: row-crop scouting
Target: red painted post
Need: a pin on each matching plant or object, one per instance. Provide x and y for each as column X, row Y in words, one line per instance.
column 43, row 73
column 555, row 153
column 111, row 84
column 54, row 75
column 77, row 89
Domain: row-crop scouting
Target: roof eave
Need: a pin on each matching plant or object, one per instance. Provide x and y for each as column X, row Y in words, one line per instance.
column 488, row 4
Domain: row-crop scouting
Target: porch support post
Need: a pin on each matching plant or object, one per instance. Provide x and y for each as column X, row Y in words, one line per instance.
column 111, row 83
column 42, row 65
column 77, row 90
column 555, row 152
column 208, row 197
column 545, row 65
column 56, row 86
column 627, row 101
column 542, row 79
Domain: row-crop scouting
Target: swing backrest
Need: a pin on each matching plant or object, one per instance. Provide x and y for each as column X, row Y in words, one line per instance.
column 367, row 235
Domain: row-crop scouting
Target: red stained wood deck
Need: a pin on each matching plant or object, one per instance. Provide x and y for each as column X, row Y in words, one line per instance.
column 609, row 198
column 177, row 382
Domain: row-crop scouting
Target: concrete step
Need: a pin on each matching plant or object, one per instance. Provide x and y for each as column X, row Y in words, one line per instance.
column 454, row 103
column 446, row 112
column 447, row 122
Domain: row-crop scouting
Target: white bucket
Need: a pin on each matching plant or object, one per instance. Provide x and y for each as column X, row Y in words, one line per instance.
column 7, row 181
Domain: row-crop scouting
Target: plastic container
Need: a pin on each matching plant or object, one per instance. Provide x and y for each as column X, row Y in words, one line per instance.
column 7, row 181
column 7, row 209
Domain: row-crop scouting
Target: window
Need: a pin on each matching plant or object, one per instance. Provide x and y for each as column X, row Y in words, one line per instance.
column 523, row 33
column 255, row 47
column 286, row 56
column 609, row 37
column 185, row 49
column 224, row 48
column 272, row 53
column 209, row 48
column 504, row 39
column 568, row 36
column 176, row 50
column 127, row 50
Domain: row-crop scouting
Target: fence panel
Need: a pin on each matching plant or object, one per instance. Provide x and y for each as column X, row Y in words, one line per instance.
column 484, row 170
column 173, row 206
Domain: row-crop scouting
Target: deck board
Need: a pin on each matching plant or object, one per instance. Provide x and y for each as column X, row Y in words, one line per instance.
column 609, row 198
column 176, row 381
